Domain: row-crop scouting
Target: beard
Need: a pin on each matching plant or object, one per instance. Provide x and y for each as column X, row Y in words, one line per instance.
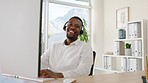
column 72, row 38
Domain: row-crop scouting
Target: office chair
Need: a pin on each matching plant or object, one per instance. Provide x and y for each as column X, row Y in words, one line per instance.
column 92, row 67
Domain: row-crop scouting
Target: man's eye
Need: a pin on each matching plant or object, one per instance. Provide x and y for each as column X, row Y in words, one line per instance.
column 77, row 26
column 69, row 24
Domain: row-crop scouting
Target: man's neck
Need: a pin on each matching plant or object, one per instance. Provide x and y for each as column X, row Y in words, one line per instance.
column 68, row 41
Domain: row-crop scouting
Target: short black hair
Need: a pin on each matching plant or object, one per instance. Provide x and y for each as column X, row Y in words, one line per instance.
column 78, row 19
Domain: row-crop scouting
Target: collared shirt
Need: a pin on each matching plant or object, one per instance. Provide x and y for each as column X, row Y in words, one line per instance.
column 71, row 60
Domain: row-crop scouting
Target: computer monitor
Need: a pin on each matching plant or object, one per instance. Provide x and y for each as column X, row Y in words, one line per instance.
column 20, row 30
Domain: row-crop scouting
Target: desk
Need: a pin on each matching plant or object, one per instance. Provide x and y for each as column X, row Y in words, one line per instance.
column 130, row 77
column 5, row 79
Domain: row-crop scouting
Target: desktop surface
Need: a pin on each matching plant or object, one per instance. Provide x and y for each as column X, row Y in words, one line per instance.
column 128, row 77
column 5, row 79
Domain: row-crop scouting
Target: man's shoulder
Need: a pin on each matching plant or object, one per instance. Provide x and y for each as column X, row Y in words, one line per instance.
column 84, row 43
column 57, row 43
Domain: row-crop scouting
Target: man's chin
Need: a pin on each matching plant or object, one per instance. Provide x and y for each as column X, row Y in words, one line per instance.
column 70, row 37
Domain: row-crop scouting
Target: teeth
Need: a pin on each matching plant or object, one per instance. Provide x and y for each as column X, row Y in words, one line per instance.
column 71, row 31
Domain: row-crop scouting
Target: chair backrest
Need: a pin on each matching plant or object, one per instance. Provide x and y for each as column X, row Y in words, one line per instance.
column 92, row 67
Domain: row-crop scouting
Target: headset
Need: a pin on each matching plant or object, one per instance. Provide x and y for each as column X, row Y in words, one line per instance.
column 81, row 32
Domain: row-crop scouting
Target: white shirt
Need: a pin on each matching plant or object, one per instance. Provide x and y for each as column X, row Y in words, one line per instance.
column 71, row 60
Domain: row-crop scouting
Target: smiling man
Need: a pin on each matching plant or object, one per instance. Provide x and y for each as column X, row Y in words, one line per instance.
column 71, row 58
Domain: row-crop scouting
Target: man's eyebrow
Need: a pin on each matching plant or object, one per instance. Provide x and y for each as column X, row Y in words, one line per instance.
column 75, row 23
column 78, row 24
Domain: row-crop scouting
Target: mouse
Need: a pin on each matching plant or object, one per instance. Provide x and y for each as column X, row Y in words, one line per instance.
column 69, row 80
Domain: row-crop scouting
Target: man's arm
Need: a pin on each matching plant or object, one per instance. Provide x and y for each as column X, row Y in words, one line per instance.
column 85, row 64
column 45, row 72
column 50, row 74
column 45, row 59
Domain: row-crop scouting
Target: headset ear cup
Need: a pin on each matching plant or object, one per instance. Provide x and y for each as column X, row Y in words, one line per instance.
column 81, row 32
column 64, row 28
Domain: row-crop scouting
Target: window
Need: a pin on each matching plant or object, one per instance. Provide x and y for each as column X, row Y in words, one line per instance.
column 56, row 13
column 82, row 2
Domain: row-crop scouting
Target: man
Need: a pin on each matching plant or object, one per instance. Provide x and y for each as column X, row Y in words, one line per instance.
column 71, row 58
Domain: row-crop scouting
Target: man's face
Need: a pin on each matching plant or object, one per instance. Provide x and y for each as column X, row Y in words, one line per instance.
column 73, row 28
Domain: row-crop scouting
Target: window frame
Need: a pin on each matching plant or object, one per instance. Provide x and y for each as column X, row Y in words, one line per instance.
column 46, row 17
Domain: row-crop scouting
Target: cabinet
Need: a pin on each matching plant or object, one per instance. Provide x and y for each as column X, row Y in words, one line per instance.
column 120, row 61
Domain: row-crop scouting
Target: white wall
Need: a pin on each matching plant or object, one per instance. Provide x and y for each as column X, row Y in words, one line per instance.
column 97, row 25
column 104, row 22
column 137, row 10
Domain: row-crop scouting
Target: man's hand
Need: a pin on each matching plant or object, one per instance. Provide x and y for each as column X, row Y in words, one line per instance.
column 50, row 74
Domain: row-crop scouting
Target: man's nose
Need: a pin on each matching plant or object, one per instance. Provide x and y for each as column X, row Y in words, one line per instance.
column 72, row 27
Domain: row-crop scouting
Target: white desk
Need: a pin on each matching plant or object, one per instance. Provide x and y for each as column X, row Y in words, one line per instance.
column 130, row 77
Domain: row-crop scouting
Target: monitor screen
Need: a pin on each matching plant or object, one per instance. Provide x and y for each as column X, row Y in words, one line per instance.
column 20, row 37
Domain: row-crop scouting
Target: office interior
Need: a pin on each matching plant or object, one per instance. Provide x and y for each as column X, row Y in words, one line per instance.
column 103, row 23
